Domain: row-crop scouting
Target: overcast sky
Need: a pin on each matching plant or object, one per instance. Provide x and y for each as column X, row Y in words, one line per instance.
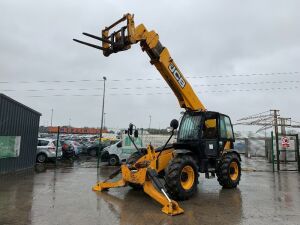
column 205, row 38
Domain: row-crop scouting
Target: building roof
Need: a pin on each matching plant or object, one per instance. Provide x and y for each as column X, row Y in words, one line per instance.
column 18, row 103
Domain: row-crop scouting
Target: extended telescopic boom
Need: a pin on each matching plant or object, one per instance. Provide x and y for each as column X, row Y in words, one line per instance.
column 122, row 39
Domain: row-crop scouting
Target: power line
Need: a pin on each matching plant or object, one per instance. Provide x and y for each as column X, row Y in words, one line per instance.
column 149, row 79
column 257, row 115
column 156, row 87
column 295, row 122
column 164, row 93
column 247, row 75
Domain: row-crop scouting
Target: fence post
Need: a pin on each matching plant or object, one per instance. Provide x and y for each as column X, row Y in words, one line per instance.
column 297, row 151
column 246, row 147
column 267, row 148
column 57, row 141
column 272, row 152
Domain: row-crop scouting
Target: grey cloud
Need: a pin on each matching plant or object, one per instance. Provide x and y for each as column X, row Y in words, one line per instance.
column 204, row 37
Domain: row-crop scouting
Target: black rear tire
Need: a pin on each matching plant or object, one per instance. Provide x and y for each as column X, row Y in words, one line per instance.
column 41, row 158
column 113, row 160
column 176, row 177
column 229, row 170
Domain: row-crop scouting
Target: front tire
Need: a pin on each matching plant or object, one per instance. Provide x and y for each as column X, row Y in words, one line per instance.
column 229, row 170
column 182, row 177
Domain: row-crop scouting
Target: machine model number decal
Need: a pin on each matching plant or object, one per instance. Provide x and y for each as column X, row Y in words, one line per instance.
column 177, row 75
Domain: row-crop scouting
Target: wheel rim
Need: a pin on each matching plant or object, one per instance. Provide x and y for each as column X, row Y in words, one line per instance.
column 113, row 161
column 233, row 171
column 187, row 177
column 41, row 158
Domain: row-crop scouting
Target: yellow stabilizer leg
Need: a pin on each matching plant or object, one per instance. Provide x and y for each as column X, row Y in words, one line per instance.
column 169, row 207
column 100, row 186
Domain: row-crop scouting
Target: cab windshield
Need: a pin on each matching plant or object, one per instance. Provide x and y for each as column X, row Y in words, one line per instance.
column 189, row 127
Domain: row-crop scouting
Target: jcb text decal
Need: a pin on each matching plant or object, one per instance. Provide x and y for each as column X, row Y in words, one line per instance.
column 177, row 75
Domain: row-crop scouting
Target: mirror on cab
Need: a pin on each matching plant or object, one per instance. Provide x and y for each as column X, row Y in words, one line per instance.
column 173, row 125
column 136, row 133
column 130, row 129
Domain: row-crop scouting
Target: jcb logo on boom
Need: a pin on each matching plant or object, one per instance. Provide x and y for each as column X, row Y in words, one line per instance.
column 177, row 75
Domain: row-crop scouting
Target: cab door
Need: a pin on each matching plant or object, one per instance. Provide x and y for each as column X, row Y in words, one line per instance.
column 226, row 133
column 210, row 137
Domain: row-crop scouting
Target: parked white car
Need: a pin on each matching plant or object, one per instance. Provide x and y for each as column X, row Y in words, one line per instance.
column 46, row 149
column 120, row 151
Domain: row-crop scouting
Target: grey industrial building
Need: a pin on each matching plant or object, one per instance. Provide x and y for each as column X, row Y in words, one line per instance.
column 19, row 126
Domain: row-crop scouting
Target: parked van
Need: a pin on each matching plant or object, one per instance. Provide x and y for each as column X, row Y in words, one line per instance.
column 120, row 151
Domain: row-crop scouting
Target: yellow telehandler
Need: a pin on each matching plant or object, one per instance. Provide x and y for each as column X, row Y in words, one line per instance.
column 204, row 138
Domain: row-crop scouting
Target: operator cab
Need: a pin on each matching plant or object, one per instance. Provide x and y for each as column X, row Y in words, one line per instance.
column 206, row 134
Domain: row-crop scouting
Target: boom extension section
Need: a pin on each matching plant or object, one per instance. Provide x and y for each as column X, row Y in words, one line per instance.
column 125, row 36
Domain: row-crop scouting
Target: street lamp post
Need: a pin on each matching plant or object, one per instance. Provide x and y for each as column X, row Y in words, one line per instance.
column 51, row 116
column 102, row 117
column 104, row 120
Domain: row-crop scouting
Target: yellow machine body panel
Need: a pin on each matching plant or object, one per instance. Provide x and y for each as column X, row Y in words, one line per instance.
column 138, row 175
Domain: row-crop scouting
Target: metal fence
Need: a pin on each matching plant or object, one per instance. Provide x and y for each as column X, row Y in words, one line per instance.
column 156, row 140
column 253, row 147
column 286, row 156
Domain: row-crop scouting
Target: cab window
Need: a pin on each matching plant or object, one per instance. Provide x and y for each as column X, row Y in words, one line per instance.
column 189, row 127
column 210, row 129
column 225, row 128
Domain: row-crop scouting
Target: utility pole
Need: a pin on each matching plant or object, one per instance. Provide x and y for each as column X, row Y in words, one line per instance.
column 283, row 133
column 102, row 117
column 149, row 122
column 101, row 129
column 276, row 114
column 104, row 120
column 51, row 116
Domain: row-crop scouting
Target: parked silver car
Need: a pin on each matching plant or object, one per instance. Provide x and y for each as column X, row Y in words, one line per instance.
column 46, row 149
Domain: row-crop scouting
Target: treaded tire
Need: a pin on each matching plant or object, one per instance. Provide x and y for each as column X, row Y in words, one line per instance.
column 113, row 160
column 223, row 170
column 131, row 160
column 173, row 177
column 41, row 158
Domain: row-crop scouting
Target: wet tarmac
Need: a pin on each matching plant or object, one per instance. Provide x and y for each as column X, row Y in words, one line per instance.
column 63, row 196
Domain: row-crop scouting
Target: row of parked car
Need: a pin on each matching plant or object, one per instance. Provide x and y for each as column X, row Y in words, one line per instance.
column 46, row 149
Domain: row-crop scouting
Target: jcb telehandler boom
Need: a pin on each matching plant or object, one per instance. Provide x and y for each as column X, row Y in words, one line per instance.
column 204, row 139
